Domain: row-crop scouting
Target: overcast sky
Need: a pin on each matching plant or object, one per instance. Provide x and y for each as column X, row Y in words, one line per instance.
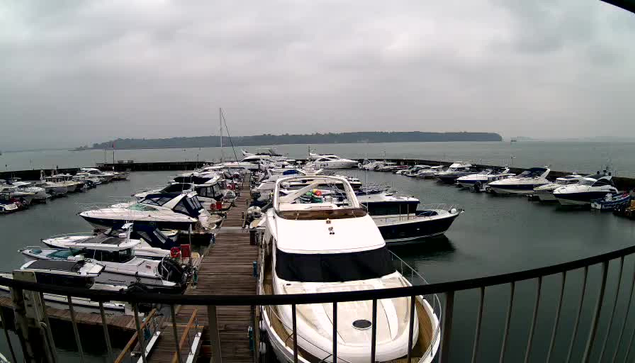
column 77, row 72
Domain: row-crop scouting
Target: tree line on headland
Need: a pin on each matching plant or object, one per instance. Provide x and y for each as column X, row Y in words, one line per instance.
column 317, row 138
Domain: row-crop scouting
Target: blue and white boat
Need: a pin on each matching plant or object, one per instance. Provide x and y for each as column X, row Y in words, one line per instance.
column 611, row 201
column 545, row 192
column 590, row 188
column 524, row 183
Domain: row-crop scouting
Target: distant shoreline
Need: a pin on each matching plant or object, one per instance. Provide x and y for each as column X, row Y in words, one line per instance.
column 286, row 139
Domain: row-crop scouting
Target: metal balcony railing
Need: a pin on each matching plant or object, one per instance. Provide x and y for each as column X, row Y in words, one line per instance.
column 597, row 343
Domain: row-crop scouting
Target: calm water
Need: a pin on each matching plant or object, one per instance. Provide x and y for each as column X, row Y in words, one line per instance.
column 572, row 156
column 495, row 235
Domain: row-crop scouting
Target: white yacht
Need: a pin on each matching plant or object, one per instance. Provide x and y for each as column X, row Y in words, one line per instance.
column 430, row 173
column 9, row 192
column 414, row 170
column 52, row 188
column 370, row 164
column 523, row 183
column 180, row 211
column 333, row 162
column 104, row 176
column 39, row 194
column 66, row 180
column 544, row 193
column 589, row 188
column 121, row 266
column 481, row 179
column 209, row 188
column 330, row 244
column 454, row 171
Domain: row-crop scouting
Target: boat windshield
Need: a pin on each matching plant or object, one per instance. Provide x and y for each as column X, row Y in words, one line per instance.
column 158, row 200
column 587, row 181
column 334, row 267
column 121, row 256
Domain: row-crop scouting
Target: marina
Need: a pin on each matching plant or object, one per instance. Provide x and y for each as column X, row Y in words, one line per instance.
column 227, row 267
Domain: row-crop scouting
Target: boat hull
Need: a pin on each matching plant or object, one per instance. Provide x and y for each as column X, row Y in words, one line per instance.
column 573, row 199
column 522, row 189
column 101, row 223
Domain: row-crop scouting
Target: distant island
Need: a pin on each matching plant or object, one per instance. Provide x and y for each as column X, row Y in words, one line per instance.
column 317, row 138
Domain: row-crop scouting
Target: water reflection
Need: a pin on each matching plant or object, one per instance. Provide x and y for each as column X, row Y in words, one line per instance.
column 429, row 248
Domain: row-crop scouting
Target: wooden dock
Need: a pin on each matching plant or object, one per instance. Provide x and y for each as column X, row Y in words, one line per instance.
column 226, row 269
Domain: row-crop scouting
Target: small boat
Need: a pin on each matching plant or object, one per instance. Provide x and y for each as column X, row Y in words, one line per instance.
column 414, row 170
column 11, row 192
column 73, row 274
column 430, row 173
column 611, row 201
column 153, row 244
column 39, row 194
column 480, row 180
column 455, row 171
column 589, row 188
column 120, row 265
column 370, row 164
column 8, row 205
column 104, row 176
column 333, row 162
column 524, row 183
column 302, row 255
column 544, row 193
column 64, row 273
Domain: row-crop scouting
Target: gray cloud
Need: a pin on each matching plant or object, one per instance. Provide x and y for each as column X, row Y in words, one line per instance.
column 77, row 72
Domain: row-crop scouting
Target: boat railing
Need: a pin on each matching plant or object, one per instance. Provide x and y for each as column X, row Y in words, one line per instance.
column 148, row 331
column 597, row 301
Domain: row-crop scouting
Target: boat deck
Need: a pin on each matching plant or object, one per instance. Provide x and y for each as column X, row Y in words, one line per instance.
column 227, row 269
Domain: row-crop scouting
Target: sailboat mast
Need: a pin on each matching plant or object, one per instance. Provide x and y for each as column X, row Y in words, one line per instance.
column 220, row 121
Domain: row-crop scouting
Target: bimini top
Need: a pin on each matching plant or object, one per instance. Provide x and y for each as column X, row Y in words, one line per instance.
column 321, row 193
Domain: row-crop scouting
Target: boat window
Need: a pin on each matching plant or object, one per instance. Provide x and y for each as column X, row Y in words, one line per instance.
column 112, row 256
column 181, row 207
column 602, row 182
column 158, row 200
column 587, row 181
column 141, row 208
column 334, row 267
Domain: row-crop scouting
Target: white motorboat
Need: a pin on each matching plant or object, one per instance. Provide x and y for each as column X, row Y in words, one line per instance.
column 334, row 162
column 11, row 192
column 89, row 180
column 455, row 171
column 589, row 188
column 479, row 180
column 104, row 176
column 370, row 164
column 52, row 188
column 121, row 266
column 166, row 211
column 39, row 194
column 153, row 244
column 209, row 188
column 329, row 244
column 413, row 171
column 65, row 273
column 430, row 173
column 66, row 180
column 524, row 183
column 544, row 193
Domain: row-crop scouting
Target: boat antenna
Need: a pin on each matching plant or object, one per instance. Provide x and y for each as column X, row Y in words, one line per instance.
column 220, row 121
column 228, row 135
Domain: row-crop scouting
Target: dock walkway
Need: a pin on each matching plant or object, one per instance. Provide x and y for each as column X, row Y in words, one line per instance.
column 226, row 269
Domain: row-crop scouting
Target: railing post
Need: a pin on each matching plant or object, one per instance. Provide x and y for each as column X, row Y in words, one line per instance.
column 596, row 316
column 373, row 333
column 533, row 320
column 411, row 325
column 508, row 320
column 628, row 309
column 479, row 318
column 214, row 335
column 139, row 332
column 294, row 315
column 177, row 346
column 447, row 327
column 6, row 334
column 106, row 333
column 334, row 331
column 577, row 320
column 552, row 343
column 75, row 329
column 617, row 296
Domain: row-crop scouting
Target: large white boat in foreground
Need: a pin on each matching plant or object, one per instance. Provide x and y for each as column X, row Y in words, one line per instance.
column 325, row 242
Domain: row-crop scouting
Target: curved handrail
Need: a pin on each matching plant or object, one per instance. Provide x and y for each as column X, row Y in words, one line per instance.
column 248, row 300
